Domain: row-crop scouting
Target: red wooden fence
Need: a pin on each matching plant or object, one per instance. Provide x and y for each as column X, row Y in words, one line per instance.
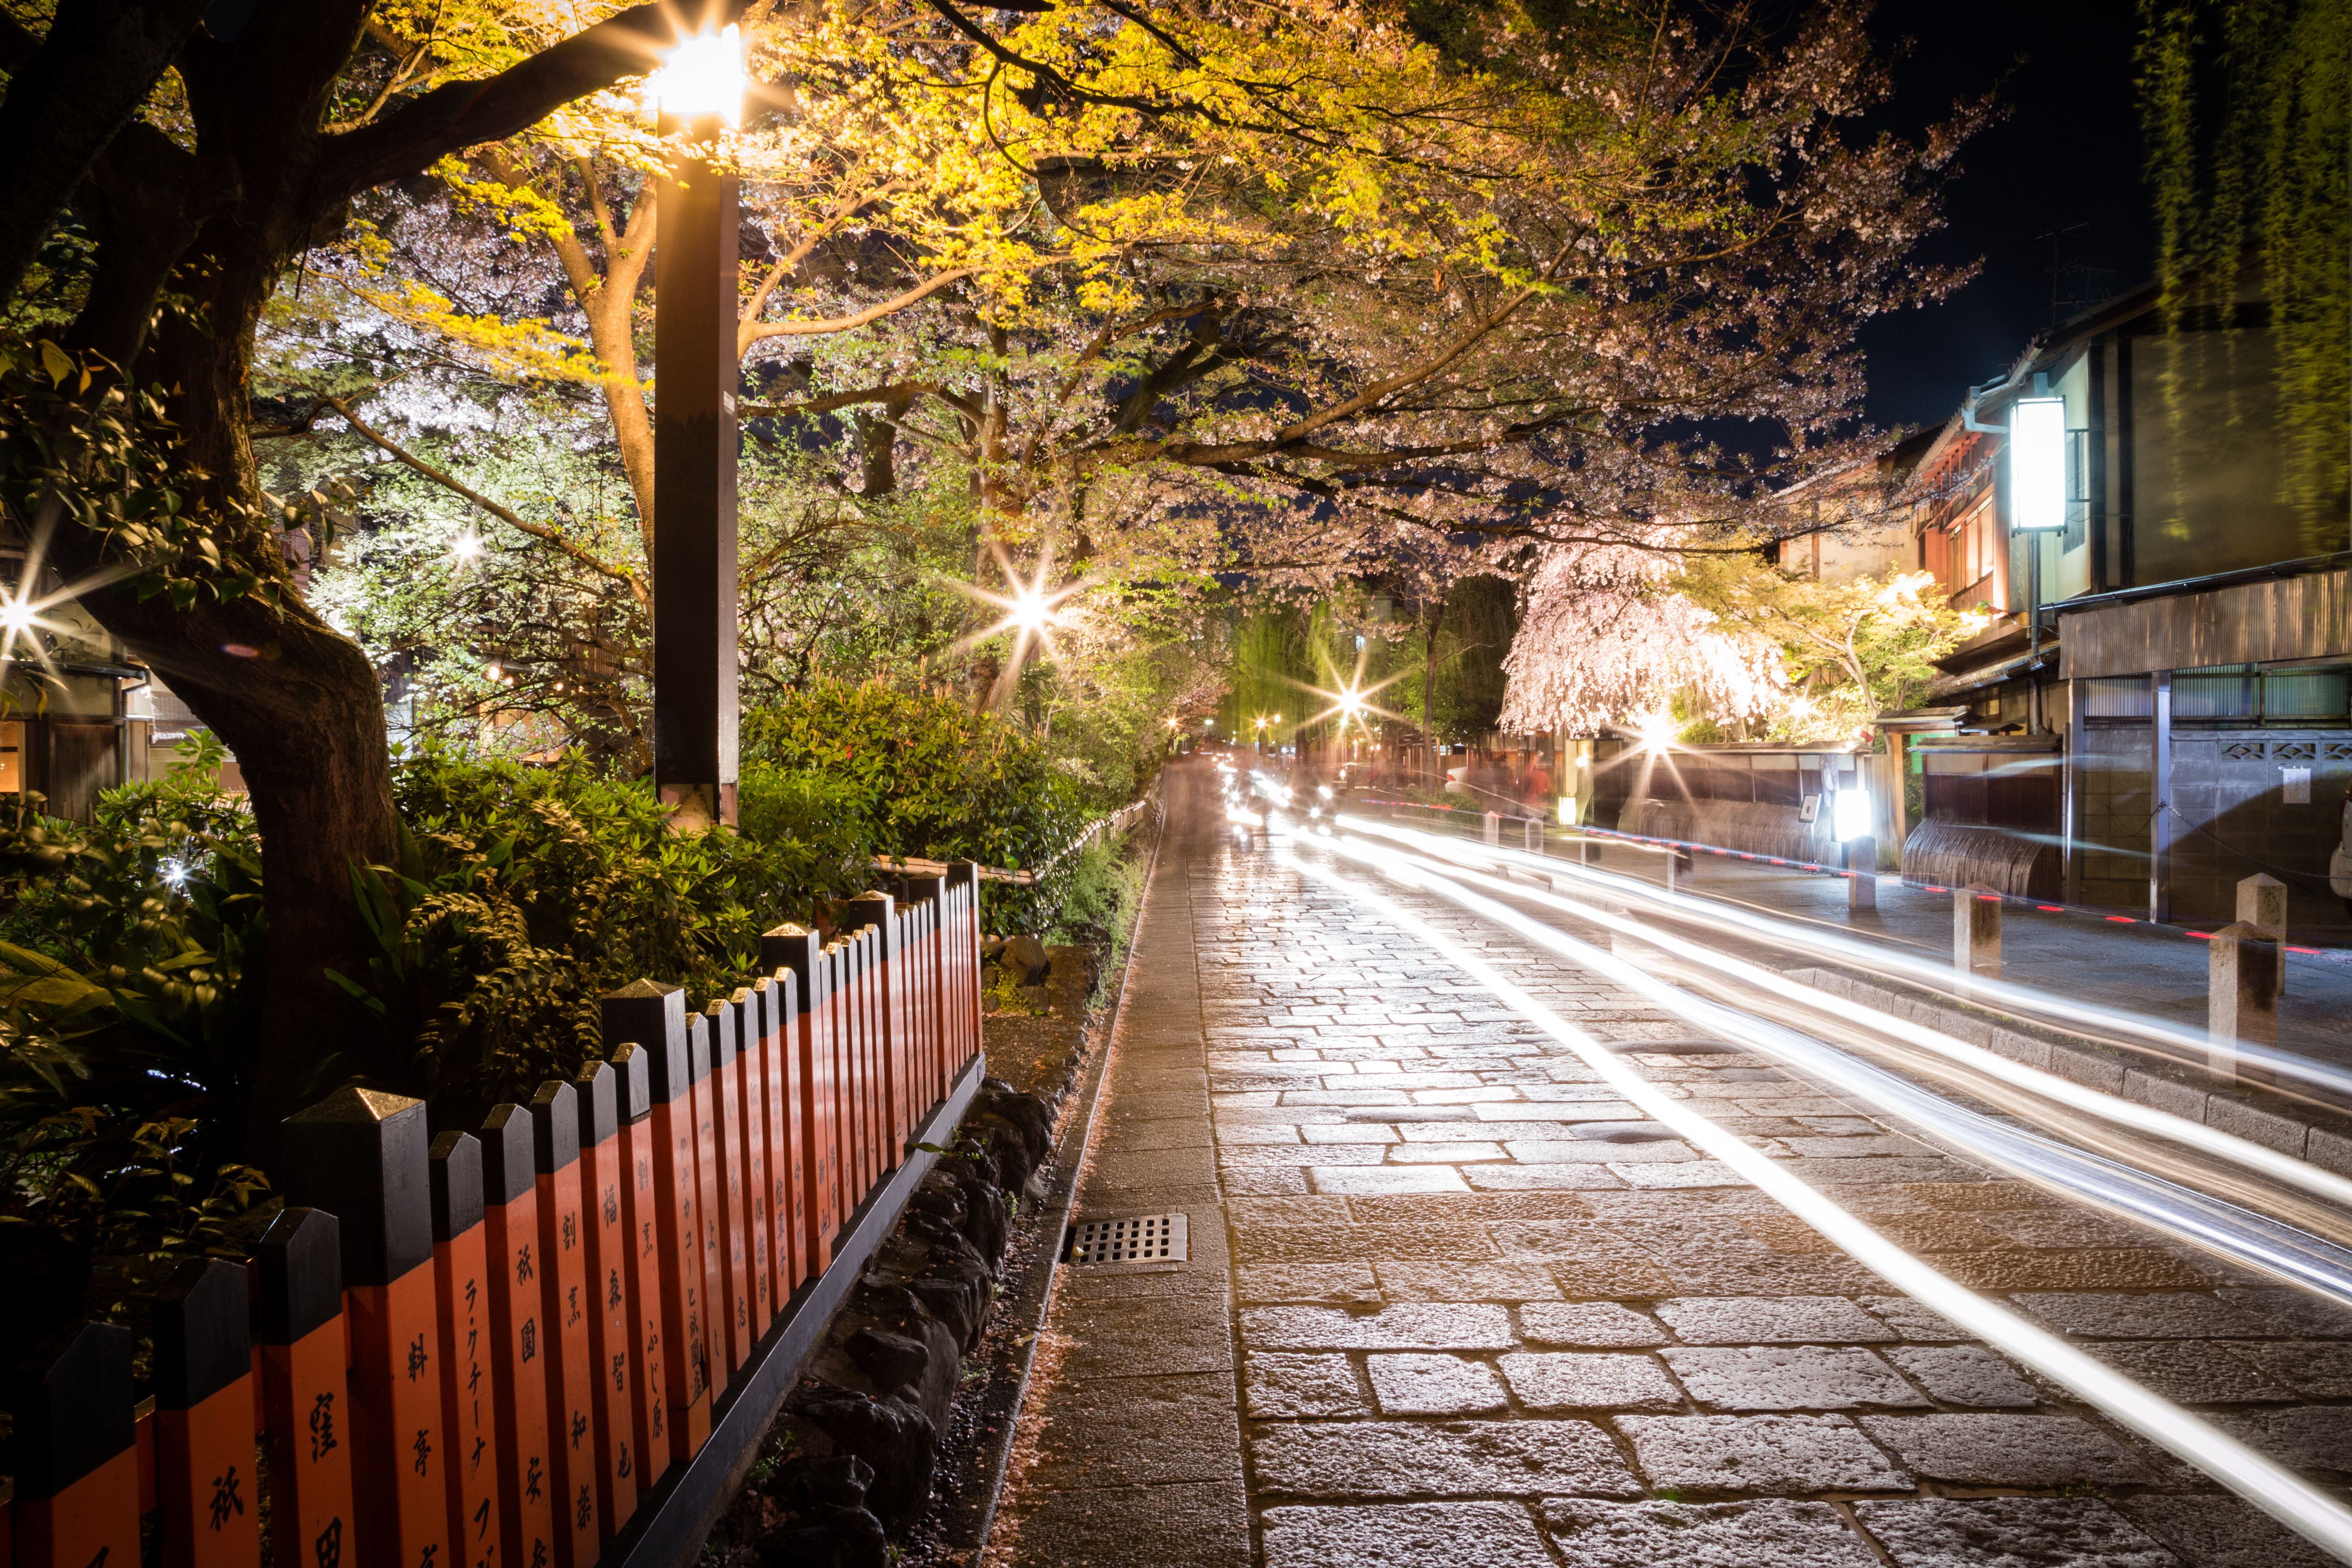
column 498, row 1349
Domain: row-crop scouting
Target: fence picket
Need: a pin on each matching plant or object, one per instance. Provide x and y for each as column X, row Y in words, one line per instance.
column 641, row 1268
column 363, row 1156
column 305, row 1398
column 564, row 1311
column 750, row 1091
column 722, row 1023
column 793, row 950
column 613, row 1409
column 207, row 1497
column 468, row 1394
column 518, row 1359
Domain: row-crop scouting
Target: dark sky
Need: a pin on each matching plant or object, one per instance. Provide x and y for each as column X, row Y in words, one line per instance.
column 2068, row 153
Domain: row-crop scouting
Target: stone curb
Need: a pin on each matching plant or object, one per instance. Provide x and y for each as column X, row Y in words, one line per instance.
column 2259, row 1116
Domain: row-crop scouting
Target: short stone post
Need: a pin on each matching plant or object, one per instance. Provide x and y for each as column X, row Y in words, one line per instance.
column 1535, row 829
column 1495, row 828
column 2242, row 1007
column 1682, row 870
column 1975, row 933
column 2262, row 901
column 1862, row 875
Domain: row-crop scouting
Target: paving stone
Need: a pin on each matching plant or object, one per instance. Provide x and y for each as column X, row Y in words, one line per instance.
column 1771, row 1533
column 1913, row 1232
column 1408, row 1327
column 1276, row 1385
column 2221, row 1532
column 1910, row 1319
column 1387, row 1179
column 1249, row 1213
column 1409, row 1384
column 1464, row 1281
column 1189, row 1525
column 1751, row 1321
column 2104, row 1269
column 2008, row 1450
column 2061, row 1227
column 1611, row 1278
column 1348, row 1243
column 1542, row 1178
column 2292, row 1312
column 1597, row 1323
column 1141, row 1431
column 1771, row 1274
column 1418, row 1153
column 1476, row 1208
column 2320, row 1369
column 2173, row 1316
column 1148, row 1337
column 1965, row 1375
column 1408, row 1535
column 2190, row 1371
column 1332, row 1284
column 1759, row 1454
column 1558, row 1379
column 2008, row 1532
column 1560, row 1151
column 1687, row 1173
column 1979, row 1196
column 1791, row 1378
column 1445, row 1459
column 2315, row 1438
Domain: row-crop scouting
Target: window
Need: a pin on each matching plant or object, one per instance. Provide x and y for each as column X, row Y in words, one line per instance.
column 2078, row 491
column 12, row 756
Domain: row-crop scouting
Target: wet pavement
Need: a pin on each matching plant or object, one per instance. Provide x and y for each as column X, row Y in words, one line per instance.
column 1450, row 1301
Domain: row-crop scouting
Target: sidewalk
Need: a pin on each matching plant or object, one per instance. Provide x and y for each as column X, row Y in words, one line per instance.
column 1448, row 1302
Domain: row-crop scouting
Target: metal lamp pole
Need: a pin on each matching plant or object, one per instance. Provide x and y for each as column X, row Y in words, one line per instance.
column 695, row 379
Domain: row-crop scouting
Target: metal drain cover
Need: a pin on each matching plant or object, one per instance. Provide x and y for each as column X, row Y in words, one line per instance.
column 1149, row 1238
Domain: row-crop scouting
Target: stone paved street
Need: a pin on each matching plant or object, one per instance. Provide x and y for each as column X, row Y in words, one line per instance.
column 1450, row 1301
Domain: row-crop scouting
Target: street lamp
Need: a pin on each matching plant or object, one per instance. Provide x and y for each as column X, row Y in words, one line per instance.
column 698, row 90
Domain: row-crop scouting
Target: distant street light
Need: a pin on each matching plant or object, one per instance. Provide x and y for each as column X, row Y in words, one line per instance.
column 698, row 90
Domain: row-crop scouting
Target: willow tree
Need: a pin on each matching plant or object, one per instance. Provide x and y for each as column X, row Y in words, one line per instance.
column 2247, row 107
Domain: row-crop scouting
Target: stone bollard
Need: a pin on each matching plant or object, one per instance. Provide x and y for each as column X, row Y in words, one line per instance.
column 1682, row 870
column 1495, row 828
column 1975, row 933
column 1535, row 829
column 1862, row 879
column 2262, row 901
column 2241, row 1006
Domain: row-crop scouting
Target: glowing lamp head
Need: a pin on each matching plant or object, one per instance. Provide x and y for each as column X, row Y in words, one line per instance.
column 1657, row 731
column 1030, row 610
column 15, row 617
column 2037, row 465
column 466, row 547
column 703, row 74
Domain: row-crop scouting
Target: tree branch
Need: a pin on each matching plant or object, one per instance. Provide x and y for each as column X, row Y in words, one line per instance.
column 461, row 115
column 506, row 515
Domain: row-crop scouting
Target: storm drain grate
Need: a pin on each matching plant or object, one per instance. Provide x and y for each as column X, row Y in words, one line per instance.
column 1151, row 1238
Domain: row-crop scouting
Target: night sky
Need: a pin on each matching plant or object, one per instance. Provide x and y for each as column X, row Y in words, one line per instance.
column 2069, row 153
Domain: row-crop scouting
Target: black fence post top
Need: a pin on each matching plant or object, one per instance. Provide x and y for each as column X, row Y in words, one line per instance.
column 202, row 1332
column 631, row 1062
column 301, row 1269
column 507, row 1167
column 72, row 1406
column 555, row 1126
column 645, row 1011
column 697, row 1047
column 361, row 1154
column 793, row 950
column 456, row 1185
column 719, row 1020
column 598, row 1087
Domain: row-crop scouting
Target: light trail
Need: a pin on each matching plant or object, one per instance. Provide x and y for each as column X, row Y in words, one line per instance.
column 2268, row 1485
column 2252, row 1240
column 2148, row 1119
column 2162, row 1041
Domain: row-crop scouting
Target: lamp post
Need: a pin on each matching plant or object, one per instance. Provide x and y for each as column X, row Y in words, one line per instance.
column 697, row 91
